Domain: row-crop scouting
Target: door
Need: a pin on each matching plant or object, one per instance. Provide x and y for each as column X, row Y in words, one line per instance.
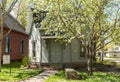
column 66, row 53
column 55, row 52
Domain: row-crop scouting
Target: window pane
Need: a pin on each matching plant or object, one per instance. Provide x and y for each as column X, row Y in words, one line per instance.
column 22, row 46
column 7, row 44
column 33, row 48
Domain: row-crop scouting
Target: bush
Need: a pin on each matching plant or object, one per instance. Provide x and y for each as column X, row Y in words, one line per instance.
column 25, row 60
column 106, row 62
column 113, row 63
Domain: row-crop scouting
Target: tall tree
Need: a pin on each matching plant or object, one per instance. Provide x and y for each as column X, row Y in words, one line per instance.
column 89, row 21
column 21, row 10
column 95, row 23
column 5, row 8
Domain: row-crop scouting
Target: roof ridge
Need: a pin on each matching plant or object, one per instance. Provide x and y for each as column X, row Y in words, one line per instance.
column 14, row 19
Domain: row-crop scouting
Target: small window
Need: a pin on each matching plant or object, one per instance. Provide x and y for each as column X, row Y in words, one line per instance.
column 7, row 44
column 117, row 48
column 22, row 46
column 33, row 48
column 82, row 52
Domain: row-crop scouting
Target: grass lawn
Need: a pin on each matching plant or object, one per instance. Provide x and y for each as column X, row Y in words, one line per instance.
column 16, row 73
column 97, row 77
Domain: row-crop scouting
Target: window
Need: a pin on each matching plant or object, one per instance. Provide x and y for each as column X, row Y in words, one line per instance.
column 22, row 46
column 7, row 44
column 33, row 48
column 82, row 52
column 117, row 48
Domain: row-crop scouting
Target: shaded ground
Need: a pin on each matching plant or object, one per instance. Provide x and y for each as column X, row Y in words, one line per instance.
column 96, row 77
column 106, row 68
column 17, row 72
column 101, row 72
column 98, row 67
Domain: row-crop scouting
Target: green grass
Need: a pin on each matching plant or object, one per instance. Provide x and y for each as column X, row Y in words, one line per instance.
column 97, row 77
column 16, row 73
column 118, row 65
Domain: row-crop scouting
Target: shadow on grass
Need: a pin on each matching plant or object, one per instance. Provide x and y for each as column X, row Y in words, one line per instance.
column 97, row 76
column 16, row 72
column 12, row 65
column 27, row 74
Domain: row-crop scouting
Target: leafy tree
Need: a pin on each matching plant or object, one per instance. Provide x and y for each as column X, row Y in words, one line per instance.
column 94, row 23
column 21, row 10
column 89, row 21
column 5, row 8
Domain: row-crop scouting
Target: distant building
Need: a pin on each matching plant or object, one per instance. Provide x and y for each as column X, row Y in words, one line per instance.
column 113, row 52
column 15, row 43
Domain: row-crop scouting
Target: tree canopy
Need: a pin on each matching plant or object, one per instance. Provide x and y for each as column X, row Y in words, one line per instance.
column 89, row 21
column 84, row 20
column 94, row 23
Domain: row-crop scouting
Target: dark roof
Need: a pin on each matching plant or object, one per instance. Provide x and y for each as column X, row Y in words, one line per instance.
column 12, row 23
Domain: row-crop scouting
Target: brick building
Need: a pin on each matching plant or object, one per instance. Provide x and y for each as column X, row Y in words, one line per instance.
column 14, row 43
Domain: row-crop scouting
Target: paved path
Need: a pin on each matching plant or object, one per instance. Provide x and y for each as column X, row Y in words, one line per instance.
column 41, row 77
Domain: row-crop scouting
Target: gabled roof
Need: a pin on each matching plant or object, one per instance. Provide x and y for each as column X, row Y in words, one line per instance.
column 12, row 23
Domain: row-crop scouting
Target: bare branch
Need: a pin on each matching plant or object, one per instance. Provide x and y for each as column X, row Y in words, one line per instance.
column 99, row 47
column 12, row 5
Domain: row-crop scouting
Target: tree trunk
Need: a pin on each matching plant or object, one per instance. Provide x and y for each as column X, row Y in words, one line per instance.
column 1, row 30
column 2, row 20
column 89, row 65
column 0, row 53
column 101, row 54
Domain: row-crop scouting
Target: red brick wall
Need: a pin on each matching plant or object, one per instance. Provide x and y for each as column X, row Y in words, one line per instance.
column 15, row 38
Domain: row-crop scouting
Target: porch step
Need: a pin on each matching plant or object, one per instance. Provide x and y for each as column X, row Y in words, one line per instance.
column 33, row 66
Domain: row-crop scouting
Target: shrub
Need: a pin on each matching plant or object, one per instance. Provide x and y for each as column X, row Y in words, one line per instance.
column 25, row 60
column 106, row 62
column 113, row 63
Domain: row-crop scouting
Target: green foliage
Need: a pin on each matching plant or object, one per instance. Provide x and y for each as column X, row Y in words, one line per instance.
column 89, row 21
column 118, row 65
column 25, row 60
column 20, row 12
column 106, row 62
column 97, row 77
column 61, row 73
column 113, row 63
column 85, row 20
column 17, row 74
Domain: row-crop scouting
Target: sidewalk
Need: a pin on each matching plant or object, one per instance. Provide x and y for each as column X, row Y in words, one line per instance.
column 41, row 77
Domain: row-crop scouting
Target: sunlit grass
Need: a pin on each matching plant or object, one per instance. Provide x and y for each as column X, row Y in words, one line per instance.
column 97, row 77
column 16, row 73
